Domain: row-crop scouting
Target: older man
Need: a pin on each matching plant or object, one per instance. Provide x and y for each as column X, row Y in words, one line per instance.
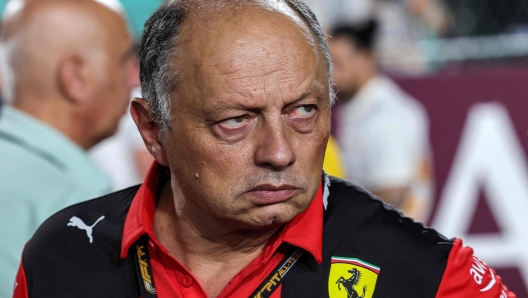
column 68, row 69
column 236, row 112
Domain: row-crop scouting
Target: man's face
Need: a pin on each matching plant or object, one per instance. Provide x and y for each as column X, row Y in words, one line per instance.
column 250, row 120
column 348, row 63
column 117, row 73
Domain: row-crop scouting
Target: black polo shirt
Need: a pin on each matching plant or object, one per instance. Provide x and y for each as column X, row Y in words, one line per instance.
column 355, row 246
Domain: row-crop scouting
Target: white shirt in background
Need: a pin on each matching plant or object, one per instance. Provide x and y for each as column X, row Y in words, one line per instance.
column 384, row 137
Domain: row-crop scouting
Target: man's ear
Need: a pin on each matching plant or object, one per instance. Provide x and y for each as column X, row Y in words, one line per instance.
column 148, row 129
column 73, row 79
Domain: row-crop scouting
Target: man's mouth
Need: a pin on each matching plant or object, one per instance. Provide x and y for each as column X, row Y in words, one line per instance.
column 266, row 194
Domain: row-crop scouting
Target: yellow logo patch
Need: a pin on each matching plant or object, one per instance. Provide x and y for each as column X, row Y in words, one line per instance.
column 352, row 278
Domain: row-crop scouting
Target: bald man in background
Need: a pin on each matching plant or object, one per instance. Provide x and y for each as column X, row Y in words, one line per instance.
column 68, row 70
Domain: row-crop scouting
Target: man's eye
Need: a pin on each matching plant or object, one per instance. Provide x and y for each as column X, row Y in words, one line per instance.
column 304, row 111
column 233, row 123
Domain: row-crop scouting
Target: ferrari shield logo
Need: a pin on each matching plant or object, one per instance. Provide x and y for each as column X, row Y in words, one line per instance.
column 352, row 278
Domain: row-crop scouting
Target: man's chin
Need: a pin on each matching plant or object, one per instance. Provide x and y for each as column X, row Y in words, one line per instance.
column 273, row 216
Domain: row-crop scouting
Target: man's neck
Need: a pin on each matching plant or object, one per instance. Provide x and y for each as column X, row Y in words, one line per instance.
column 57, row 115
column 212, row 252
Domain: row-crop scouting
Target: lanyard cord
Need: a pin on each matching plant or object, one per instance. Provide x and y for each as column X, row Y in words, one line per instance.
column 276, row 277
column 264, row 290
column 144, row 269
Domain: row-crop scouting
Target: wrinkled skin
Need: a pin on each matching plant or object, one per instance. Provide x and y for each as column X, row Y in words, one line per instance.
column 251, row 121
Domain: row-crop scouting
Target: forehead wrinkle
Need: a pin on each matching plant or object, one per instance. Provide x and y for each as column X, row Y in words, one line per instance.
column 248, row 55
column 230, row 103
column 254, row 78
column 299, row 92
column 250, row 84
column 257, row 88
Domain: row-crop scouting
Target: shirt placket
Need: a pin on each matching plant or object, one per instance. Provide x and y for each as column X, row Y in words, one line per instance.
column 174, row 279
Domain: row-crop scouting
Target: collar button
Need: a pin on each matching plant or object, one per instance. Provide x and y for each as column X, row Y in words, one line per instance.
column 186, row 281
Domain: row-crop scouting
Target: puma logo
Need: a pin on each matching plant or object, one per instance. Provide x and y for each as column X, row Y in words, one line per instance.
column 77, row 222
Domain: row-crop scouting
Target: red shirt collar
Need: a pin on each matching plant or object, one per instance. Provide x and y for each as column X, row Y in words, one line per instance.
column 304, row 230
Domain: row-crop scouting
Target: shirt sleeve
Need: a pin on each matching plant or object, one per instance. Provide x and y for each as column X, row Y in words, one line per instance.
column 468, row 276
column 20, row 290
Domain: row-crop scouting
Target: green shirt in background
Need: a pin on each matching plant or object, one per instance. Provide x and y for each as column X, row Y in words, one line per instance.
column 41, row 172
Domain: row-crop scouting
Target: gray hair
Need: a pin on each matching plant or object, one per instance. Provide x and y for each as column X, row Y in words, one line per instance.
column 159, row 73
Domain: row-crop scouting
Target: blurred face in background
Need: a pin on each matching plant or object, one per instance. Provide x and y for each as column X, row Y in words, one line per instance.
column 71, row 64
column 350, row 66
column 115, row 75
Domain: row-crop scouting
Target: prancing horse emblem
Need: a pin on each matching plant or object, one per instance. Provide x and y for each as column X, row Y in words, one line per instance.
column 77, row 222
column 349, row 284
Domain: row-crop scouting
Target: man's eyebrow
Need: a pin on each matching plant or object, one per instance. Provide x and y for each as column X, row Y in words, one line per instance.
column 315, row 88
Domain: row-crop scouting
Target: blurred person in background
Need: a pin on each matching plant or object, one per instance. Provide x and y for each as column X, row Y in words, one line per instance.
column 1, row 99
column 123, row 156
column 383, row 132
column 68, row 69
column 330, row 12
column 403, row 26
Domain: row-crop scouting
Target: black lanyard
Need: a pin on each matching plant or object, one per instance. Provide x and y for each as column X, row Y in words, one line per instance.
column 276, row 277
column 264, row 290
column 144, row 269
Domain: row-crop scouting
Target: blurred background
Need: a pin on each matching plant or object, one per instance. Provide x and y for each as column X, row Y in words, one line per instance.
column 466, row 62
column 137, row 12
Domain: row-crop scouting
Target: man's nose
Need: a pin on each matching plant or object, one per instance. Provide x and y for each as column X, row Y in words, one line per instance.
column 275, row 148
